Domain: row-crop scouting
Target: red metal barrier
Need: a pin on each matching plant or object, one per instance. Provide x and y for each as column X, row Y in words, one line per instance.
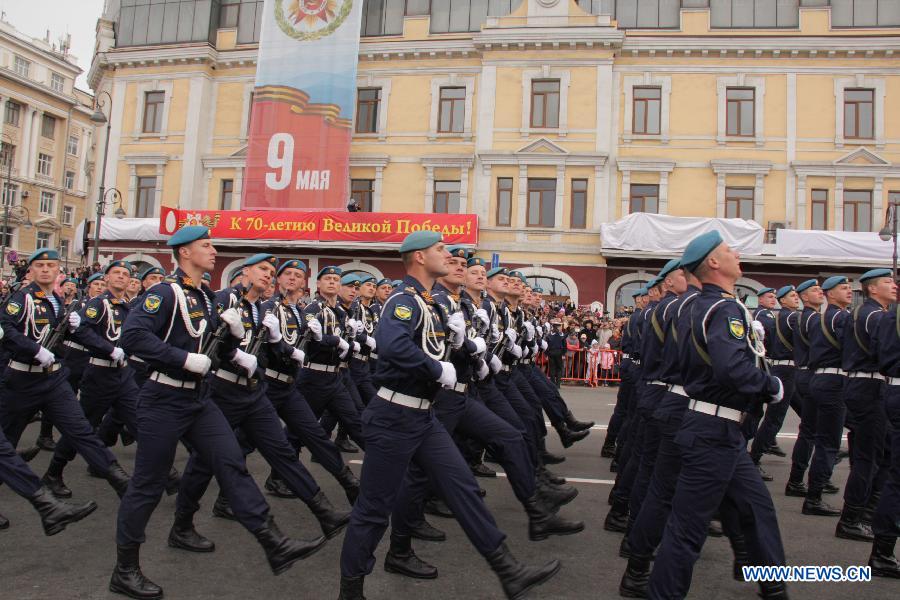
column 586, row 367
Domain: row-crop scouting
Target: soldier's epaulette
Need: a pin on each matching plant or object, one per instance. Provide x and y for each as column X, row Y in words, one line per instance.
column 727, row 295
column 171, row 279
column 410, row 290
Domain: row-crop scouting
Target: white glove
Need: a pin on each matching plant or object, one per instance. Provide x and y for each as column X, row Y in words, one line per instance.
column 495, row 364
column 370, row 342
column 547, row 327
column 232, row 318
column 448, row 374
column 355, row 325
column 316, row 327
column 298, row 356
column 759, row 330
column 118, row 356
column 247, row 362
column 343, row 347
column 480, row 346
column 779, row 395
column 495, row 334
column 515, row 351
column 197, row 363
column 526, row 351
column 356, row 347
column 544, row 345
column 457, row 324
column 272, row 323
column 529, row 331
column 482, row 316
column 74, row 321
column 483, row 370
column 511, row 335
column 1, row 333
column 45, row 357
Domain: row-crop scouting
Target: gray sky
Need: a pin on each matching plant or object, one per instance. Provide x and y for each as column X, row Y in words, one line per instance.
column 76, row 17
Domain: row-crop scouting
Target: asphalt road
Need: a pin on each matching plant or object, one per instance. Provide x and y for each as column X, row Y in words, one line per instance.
column 77, row 562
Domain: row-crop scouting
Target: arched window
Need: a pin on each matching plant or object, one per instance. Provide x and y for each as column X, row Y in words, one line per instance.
column 623, row 295
column 553, row 288
column 360, row 273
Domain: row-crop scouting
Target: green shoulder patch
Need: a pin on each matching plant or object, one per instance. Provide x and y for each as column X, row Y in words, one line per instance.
column 403, row 312
column 91, row 312
column 152, row 303
column 13, row 308
column 736, row 328
column 310, row 316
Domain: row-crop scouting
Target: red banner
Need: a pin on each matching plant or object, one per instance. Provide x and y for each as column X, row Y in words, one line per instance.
column 331, row 226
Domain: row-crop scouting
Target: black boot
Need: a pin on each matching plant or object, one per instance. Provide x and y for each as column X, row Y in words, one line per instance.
column 569, row 437
column 830, row 488
column 882, row 559
column 29, row 454
column 56, row 514
column 351, row 588
column 276, row 486
column 173, row 481
column 425, row 531
column 330, row 520
column 636, row 578
column 763, row 474
column 95, row 473
column 4, row 522
column 869, row 511
column 545, row 474
column 438, row 508
column 554, row 497
column 53, row 479
column 625, row 545
column 609, row 447
column 127, row 577
column 614, row 466
column 617, row 517
column 350, row 484
column 796, row 489
column 344, row 444
column 741, row 555
column 850, row 527
column 517, row 578
column 46, row 443
column 479, row 469
column 775, row 450
column 814, row 505
column 714, row 529
column 222, row 508
column 117, row 478
column 542, row 523
column 576, row 425
column 773, row 590
column 282, row 551
column 548, row 458
column 402, row 560
column 184, row 537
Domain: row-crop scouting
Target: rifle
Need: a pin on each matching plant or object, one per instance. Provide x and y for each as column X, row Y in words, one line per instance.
column 257, row 340
column 215, row 341
column 58, row 335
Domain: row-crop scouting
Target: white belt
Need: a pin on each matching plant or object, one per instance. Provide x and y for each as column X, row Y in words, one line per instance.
column 865, row 375
column 504, row 368
column 373, row 356
column 830, row 371
column 323, row 368
column 716, row 410
column 403, row 399
column 74, row 346
column 526, row 361
column 625, row 355
column 344, row 365
column 278, row 376
column 781, row 362
column 458, row 387
column 361, row 357
column 26, row 368
column 102, row 362
column 135, row 359
column 171, row 381
column 678, row 389
column 232, row 377
column 658, row 382
column 893, row 380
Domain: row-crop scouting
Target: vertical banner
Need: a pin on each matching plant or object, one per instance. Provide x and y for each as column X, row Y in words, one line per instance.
column 298, row 156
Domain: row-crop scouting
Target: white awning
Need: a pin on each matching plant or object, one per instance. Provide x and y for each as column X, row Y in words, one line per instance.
column 113, row 230
column 832, row 245
column 645, row 232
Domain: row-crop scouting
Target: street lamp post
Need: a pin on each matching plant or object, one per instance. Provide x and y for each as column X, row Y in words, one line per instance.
column 889, row 231
column 100, row 118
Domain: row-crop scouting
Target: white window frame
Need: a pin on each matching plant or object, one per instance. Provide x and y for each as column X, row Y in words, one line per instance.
column 45, row 195
column 546, row 72
column 860, row 81
column 68, row 215
column 54, row 77
column 142, row 89
column 14, row 188
column 370, row 81
column 664, row 83
column 64, row 248
column 69, row 183
column 453, row 80
column 48, row 163
column 662, row 167
column 37, row 238
column 69, row 145
column 18, row 63
column 759, row 97
column 758, row 168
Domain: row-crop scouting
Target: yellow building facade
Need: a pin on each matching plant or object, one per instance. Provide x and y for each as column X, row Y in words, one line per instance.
column 546, row 118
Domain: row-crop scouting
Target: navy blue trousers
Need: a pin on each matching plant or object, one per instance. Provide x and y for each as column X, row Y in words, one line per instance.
column 396, row 435
column 803, row 447
column 828, row 391
column 865, row 412
column 497, row 403
column 517, row 377
column 652, row 437
column 551, row 400
column 775, row 414
column 14, row 472
column 630, row 429
column 328, row 391
column 620, row 412
column 166, row 415
column 715, row 467
column 533, row 421
column 886, row 520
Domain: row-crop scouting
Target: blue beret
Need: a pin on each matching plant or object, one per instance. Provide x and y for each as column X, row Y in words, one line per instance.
column 875, row 274
column 328, row 271
column 518, row 275
column 833, row 282
column 235, row 274
column 384, row 281
column 654, row 282
column 291, row 264
column 71, row 280
column 537, row 290
column 699, row 249
column 398, row 282
column 188, row 234
column 784, row 291
column 764, row 290
column 95, row 277
column 497, row 271
column 205, row 277
column 350, row 279
column 477, row 262
column 258, row 258
column 459, row 252
column 642, row 291
column 420, row 240
column 44, row 254
column 672, row 265
column 366, row 278
column 117, row 263
column 806, row 285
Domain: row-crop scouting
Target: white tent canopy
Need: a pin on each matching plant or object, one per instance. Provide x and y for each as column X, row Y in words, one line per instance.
column 112, row 229
column 832, row 245
column 647, row 232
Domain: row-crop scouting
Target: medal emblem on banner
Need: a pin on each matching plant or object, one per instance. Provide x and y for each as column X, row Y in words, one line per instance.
column 307, row 20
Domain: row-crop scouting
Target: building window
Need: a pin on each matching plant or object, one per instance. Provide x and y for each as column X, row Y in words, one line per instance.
column 819, row 207
column 739, row 14
column 154, row 22
column 446, row 197
column 48, row 126
column 45, row 164
column 541, row 203
column 464, row 15
column 70, row 180
column 6, row 236
column 865, row 13
column 226, row 193
column 146, row 198
column 228, row 14
column 57, row 82
column 22, row 66
column 13, row 111
column 452, row 110
column 361, row 192
column 7, row 156
column 10, row 192
column 579, row 204
column 644, row 198
column 646, row 112
column 859, row 113
column 367, row 101
column 153, row 111
column 545, row 103
column 43, row 239
column 504, row 201
column 72, row 146
column 68, row 215
column 64, row 248
column 417, row 7
column 857, row 210
column 45, row 206
column 739, row 203
column 382, row 17
column 739, row 106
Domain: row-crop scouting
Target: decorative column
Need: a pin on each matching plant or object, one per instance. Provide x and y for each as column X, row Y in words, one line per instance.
column 663, row 192
column 878, row 212
column 429, row 190
column 463, row 190
column 801, row 202
column 377, row 189
column 522, row 197
column 626, row 193
column 560, row 197
column 720, row 195
column 839, row 203
column 759, row 200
